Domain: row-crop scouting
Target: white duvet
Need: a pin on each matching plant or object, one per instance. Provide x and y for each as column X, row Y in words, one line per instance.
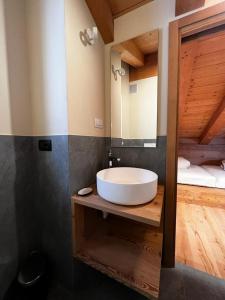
column 218, row 173
column 196, row 175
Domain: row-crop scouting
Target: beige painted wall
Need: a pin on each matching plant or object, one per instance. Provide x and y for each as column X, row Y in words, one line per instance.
column 5, row 114
column 33, row 79
column 116, row 108
column 156, row 14
column 18, row 69
column 47, row 62
column 139, row 110
column 33, row 98
column 143, row 109
column 85, row 73
column 125, row 101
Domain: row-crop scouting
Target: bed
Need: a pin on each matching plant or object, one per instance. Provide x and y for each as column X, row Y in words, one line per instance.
column 218, row 173
column 205, row 175
column 196, row 175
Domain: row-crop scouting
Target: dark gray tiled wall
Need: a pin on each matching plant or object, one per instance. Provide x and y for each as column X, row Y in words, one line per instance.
column 35, row 207
column 17, row 219
column 53, row 206
column 87, row 156
column 153, row 159
column 8, row 234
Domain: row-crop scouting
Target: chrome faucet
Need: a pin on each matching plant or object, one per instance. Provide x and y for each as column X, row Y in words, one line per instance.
column 112, row 159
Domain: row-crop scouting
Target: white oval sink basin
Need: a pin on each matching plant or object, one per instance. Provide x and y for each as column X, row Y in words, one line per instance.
column 127, row 186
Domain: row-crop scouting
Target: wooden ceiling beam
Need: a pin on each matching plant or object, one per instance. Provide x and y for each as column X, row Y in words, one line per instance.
column 130, row 53
column 183, row 6
column 215, row 125
column 121, row 7
column 102, row 15
column 150, row 68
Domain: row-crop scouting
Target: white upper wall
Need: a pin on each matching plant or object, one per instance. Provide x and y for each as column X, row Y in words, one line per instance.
column 47, row 61
column 143, row 109
column 5, row 113
column 155, row 15
column 116, row 108
column 85, row 72
column 33, row 83
column 33, row 99
column 18, row 70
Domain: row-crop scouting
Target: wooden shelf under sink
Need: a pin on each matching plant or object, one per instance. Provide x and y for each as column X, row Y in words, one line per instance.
column 149, row 213
column 122, row 247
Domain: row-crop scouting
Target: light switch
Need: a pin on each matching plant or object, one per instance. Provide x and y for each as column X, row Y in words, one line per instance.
column 99, row 123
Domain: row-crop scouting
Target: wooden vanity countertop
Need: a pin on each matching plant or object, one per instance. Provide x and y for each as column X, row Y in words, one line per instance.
column 149, row 213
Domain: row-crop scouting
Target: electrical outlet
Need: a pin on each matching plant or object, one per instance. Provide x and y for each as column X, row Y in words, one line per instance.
column 45, row 145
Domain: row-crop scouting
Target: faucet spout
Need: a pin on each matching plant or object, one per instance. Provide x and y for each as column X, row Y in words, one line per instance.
column 112, row 160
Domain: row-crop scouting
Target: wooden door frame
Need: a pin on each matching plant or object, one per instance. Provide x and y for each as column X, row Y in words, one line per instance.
column 197, row 22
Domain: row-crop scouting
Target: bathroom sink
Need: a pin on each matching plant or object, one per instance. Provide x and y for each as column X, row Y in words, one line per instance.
column 127, row 186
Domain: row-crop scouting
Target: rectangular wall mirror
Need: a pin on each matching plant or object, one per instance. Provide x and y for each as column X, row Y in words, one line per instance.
column 134, row 91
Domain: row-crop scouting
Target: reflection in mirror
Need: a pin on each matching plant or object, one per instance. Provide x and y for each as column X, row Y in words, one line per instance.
column 134, row 91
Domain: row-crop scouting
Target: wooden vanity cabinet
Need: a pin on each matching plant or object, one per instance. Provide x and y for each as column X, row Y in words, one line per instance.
column 123, row 248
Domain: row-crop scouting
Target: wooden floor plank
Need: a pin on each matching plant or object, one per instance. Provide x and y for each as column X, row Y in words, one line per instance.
column 212, row 197
column 200, row 236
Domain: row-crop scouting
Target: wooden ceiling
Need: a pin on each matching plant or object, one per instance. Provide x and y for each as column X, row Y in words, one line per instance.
column 183, row 6
column 148, row 42
column 135, row 51
column 121, row 7
column 105, row 11
column 202, row 88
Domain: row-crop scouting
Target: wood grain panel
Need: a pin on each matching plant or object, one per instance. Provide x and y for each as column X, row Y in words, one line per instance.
column 120, row 8
column 148, row 42
column 102, row 15
column 202, row 85
column 130, row 53
column 183, row 6
column 200, row 234
column 171, row 155
column 203, row 24
column 125, row 250
column 208, row 80
column 187, row 56
column 206, row 90
column 210, row 59
column 212, row 42
column 217, row 69
column 149, row 213
column 210, row 197
column 149, row 69
column 202, row 154
column 215, row 125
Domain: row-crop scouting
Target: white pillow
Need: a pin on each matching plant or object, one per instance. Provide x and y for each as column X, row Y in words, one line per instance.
column 223, row 165
column 183, row 163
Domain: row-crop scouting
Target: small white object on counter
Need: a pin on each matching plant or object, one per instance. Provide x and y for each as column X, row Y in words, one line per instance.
column 85, row 191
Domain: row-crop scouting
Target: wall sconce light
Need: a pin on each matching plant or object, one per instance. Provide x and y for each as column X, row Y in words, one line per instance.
column 89, row 36
column 120, row 72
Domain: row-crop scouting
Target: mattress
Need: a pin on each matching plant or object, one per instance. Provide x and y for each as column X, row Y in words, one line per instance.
column 218, row 173
column 196, row 175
